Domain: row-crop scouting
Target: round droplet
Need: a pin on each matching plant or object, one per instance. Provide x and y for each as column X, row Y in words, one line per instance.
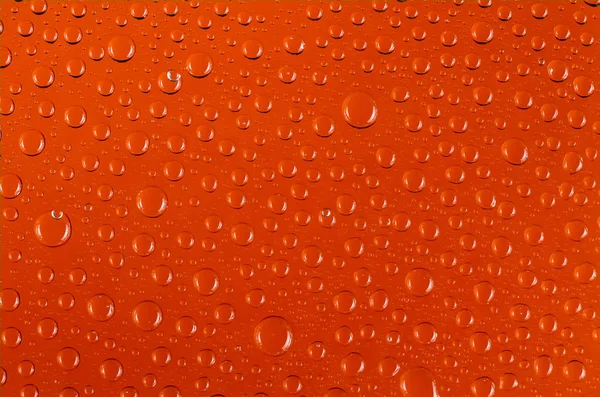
column 111, row 370
column 47, row 328
column 273, row 336
column 515, row 151
column 384, row 45
column 344, row 302
column 199, row 65
column 68, row 358
column 292, row 384
column 520, row 312
column 419, row 282
column 484, row 292
column 252, row 49
column 52, row 228
column 583, row 86
column 353, row 364
column 224, row 313
column 169, row 82
column 10, row 186
column 576, row 119
column 480, row 342
column 101, row 307
column 206, row 281
column 413, row 180
column 585, row 273
column 147, row 315
column 143, row 244
column 137, row 143
column 9, row 300
column 572, row 162
column 242, row 234
column 43, row 76
column 121, row 48
column 11, row 337
column 5, row 57
column 359, row 110
column 486, row 199
column 75, row 68
column 501, row 247
column 574, row 371
column 483, row 387
column 418, row 382
column 557, row 70
column 170, row 391
column 294, row 44
column 388, row 367
column 425, row 333
column 186, row 326
column 75, row 116
column 482, row 33
column 32, row 142
column 576, row 230
column 152, row 201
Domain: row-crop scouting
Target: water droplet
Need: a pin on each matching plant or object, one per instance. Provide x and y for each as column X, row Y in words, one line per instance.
column 418, row 382
column 52, row 228
column 147, row 315
column 152, row 201
column 199, row 65
column 273, row 335
column 206, row 281
column 359, row 110
column 121, row 48
column 101, row 307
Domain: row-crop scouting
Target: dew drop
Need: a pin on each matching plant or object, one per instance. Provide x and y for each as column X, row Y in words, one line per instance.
column 52, row 228
column 273, row 335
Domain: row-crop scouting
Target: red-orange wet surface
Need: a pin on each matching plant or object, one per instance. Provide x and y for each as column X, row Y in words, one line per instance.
column 300, row 198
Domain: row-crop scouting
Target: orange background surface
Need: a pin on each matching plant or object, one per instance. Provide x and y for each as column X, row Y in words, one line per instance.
column 300, row 198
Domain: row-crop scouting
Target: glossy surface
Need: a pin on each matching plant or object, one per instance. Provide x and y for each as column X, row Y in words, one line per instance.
column 300, row 198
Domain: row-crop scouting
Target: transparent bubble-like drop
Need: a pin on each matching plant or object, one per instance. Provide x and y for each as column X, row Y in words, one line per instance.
column 121, row 48
column 43, row 76
column 32, row 142
column 557, row 70
column 47, row 328
column 143, row 244
column 418, row 382
column 294, row 44
column 11, row 186
column 75, row 116
column 482, row 33
column 5, row 57
column 359, row 110
column 199, row 65
column 147, row 315
column 419, row 282
column 242, row 234
column 10, row 299
column 152, row 201
column 68, row 358
column 252, row 49
column 101, row 307
column 170, row 82
column 273, row 336
column 483, row 387
column 515, row 151
column 206, row 281
column 353, row 364
column 111, row 370
column 52, row 228
column 574, row 371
